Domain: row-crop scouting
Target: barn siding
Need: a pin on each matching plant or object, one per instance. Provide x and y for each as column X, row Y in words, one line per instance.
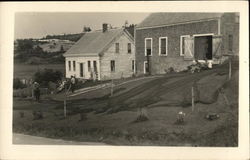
column 123, row 59
column 160, row 63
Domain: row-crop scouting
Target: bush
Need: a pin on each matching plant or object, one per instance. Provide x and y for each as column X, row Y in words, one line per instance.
column 170, row 70
column 46, row 76
column 37, row 115
column 142, row 115
column 197, row 67
column 83, row 117
column 17, row 84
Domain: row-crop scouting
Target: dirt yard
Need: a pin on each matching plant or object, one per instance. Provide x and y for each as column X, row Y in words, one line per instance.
column 111, row 120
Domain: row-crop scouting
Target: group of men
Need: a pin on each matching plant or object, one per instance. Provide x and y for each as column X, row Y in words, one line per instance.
column 36, row 87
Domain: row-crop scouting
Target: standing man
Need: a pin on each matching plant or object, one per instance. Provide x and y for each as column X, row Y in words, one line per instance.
column 37, row 91
column 73, row 82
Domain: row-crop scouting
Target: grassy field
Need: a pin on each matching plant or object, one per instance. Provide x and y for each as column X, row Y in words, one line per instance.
column 27, row 70
column 111, row 120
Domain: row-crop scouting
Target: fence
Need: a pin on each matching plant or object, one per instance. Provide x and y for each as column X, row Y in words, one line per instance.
column 27, row 92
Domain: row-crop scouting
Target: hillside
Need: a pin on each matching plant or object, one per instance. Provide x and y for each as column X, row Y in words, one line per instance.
column 112, row 120
column 70, row 37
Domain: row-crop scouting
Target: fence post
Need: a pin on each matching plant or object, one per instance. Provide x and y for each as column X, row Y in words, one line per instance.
column 192, row 91
column 64, row 108
column 230, row 68
column 112, row 87
column 65, row 101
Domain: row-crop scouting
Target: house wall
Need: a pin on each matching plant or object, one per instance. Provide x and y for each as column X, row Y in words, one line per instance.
column 84, row 60
column 123, row 59
column 158, row 64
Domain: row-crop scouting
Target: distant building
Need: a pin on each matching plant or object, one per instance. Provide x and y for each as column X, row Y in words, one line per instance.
column 165, row 40
column 102, row 55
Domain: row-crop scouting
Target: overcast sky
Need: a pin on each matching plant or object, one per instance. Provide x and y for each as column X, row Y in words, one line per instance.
column 38, row 25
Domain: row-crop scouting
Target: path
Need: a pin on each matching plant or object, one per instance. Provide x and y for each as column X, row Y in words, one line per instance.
column 34, row 140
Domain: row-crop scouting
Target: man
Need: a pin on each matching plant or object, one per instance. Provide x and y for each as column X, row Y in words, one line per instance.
column 73, row 82
column 37, row 91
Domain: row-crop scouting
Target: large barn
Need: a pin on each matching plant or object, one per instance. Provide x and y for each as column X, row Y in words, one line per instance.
column 104, row 54
column 165, row 40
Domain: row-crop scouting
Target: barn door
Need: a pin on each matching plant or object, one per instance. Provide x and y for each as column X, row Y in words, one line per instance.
column 217, row 42
column 189, row 48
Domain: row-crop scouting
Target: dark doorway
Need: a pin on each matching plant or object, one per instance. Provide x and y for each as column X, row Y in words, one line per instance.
column 203, row 48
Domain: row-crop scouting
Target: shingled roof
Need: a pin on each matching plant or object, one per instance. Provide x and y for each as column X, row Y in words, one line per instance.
column 168, row 18
column 93, row 43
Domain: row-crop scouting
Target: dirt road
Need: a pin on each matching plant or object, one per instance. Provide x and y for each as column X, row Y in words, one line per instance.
column 34, row 140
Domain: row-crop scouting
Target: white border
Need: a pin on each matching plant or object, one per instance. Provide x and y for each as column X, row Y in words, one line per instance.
column 145, row 49
column 27, row 152
column 160, row 46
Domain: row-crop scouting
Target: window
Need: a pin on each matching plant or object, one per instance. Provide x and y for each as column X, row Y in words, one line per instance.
column 182, row 44
column 95, row 66
column 81, row 69
column 148, row 46
column 69, row 63
column 163, row 42
column 133, row 65
column 116, row 47
column 230, row 42
column 112, row 65
column 89, row 66
column 74, row 65
column 129, row 47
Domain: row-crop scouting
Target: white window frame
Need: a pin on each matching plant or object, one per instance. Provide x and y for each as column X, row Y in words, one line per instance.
column 182, row 36
column 144, row 69
column 206, row 34
column 145, row 49
column 160, row 46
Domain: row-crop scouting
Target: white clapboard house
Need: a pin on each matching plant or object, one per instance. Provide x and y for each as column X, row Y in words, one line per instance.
column 102, row 55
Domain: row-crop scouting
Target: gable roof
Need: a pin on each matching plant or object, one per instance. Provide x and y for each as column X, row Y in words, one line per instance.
column 170, row 18
column 93, row 43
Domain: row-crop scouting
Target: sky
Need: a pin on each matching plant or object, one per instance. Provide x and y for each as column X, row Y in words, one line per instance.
column 40, row 24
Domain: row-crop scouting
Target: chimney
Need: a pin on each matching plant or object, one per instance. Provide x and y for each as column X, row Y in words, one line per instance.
column 104, row 27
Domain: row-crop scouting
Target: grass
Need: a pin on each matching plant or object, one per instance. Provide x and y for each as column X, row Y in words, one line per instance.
column 111, row 119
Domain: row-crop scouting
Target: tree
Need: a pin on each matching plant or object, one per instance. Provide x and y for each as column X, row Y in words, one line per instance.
column 46, row 76
column 86, row 29
column 62, row 49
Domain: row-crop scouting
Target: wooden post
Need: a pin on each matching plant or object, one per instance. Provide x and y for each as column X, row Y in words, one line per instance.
column 230, row 68
column 64, row 108
column 112, row 87
column 65, row 102
column 192, row 90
